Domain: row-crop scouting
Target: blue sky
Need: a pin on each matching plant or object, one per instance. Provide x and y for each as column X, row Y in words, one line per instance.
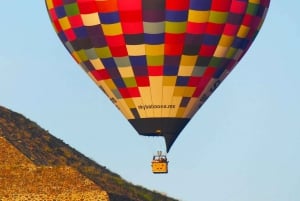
column 242, row 145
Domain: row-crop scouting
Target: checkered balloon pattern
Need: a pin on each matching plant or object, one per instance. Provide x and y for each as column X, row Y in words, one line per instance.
column 157, row 58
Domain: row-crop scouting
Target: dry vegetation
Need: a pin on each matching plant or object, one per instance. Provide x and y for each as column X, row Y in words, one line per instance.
column 41, row 149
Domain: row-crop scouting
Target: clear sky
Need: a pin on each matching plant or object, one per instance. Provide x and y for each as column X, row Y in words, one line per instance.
column 242, row 145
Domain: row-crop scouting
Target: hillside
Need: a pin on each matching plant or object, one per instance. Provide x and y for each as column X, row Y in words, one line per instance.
column 20, row 179
column 44, row 157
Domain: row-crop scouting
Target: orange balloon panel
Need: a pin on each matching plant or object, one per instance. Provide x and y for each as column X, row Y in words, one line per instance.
column 157, row 60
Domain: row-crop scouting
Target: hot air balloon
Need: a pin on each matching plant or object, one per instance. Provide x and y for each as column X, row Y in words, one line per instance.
column 157, row 60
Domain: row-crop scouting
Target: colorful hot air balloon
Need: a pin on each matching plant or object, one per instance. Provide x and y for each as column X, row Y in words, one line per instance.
column 157, row 60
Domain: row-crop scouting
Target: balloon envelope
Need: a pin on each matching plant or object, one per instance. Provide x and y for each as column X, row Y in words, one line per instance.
column 157, row 60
